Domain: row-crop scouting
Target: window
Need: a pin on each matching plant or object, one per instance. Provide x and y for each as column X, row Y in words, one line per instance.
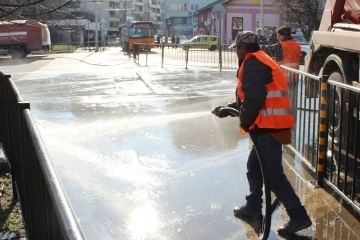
column 180, row 21
column 178, row 6
column 139, row 8
column 194, row 7
column 114, row 24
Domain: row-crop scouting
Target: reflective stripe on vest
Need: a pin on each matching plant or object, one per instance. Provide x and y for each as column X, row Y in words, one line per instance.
column 275, row 111
column 277, row 93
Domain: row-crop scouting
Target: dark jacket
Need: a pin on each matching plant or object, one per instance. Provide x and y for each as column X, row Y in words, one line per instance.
column 262, row 39
column 272, row 39
column 273, row 50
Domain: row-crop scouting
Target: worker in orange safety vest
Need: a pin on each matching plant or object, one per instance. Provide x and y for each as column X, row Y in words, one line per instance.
column 264, row 111
column 286, row 52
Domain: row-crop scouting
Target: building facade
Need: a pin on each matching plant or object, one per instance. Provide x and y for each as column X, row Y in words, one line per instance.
column 111, row 14
column 177, row 15
column 240, row 15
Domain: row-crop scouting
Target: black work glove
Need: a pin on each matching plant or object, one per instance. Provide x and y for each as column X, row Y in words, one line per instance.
column 217, row 111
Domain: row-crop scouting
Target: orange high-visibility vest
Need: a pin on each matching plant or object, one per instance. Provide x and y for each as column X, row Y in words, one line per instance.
column 291, row 57
column 276, row 112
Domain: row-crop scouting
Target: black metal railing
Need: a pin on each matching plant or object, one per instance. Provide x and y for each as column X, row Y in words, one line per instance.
column 196, row 56
column 327, row 130
column 47, row 213
column 305, row 108
column 342, row 165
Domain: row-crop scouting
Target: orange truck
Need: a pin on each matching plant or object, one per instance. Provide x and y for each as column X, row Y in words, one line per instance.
column 20, row 37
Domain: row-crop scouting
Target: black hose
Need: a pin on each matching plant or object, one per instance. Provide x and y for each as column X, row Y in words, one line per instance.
column 269, row 207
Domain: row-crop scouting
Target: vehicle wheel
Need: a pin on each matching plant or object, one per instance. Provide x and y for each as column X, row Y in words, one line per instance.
column 212, row 48
column 17, row 53
column 335, row 107
column 302, row 59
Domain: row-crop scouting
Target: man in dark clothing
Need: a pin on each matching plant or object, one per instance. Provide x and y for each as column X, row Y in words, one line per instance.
column 158, row 40
column 262, row 38
column 264, row 108
column 177, row 40
column 173, row 40
column 272, row 39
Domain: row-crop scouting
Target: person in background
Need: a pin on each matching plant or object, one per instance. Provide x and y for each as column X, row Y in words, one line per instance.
column 261, row 89
column 272, row 36
column 177, row 40
column 158, row 40
column 287, row 52
column 173, row 40
column 262, row 38
column 167, row 40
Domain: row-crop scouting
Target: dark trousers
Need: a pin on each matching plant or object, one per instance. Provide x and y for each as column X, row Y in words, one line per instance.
column 279, row 184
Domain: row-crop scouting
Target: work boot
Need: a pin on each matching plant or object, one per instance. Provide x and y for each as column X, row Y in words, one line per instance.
column 292, row 227
column 244, row 212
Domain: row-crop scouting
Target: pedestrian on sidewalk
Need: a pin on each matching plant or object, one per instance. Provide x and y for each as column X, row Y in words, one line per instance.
column 177, row 41
column 264, row 108
column 173, row 40
column 158, row 41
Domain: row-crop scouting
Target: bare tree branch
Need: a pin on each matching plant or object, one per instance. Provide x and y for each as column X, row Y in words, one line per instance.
column 20, row 9
column 305, row 14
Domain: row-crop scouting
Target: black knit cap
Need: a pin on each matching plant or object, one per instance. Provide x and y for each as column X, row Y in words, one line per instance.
column 285, row 31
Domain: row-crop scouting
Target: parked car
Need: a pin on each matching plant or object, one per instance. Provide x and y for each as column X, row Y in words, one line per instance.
column 304, row 46
column 201, row 42
column 183, row 38
column 110, row 42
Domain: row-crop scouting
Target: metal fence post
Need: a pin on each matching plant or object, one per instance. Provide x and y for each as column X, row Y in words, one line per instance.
column 4, row 128
column 220, row 59
column 146, row 60
column 186, row 57
column 322, row 131
column 162, row 55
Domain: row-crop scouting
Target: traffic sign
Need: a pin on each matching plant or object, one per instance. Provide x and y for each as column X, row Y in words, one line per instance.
column 218, row 11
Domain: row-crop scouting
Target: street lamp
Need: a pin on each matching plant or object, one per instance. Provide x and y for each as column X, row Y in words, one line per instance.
column 102, row 33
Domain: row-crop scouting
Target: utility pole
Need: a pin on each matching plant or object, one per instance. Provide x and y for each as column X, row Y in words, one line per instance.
column 97, row 2
column 262, row 14
column 96, row 31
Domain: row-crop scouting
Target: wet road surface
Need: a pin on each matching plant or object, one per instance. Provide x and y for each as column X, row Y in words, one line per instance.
column 141, row 156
